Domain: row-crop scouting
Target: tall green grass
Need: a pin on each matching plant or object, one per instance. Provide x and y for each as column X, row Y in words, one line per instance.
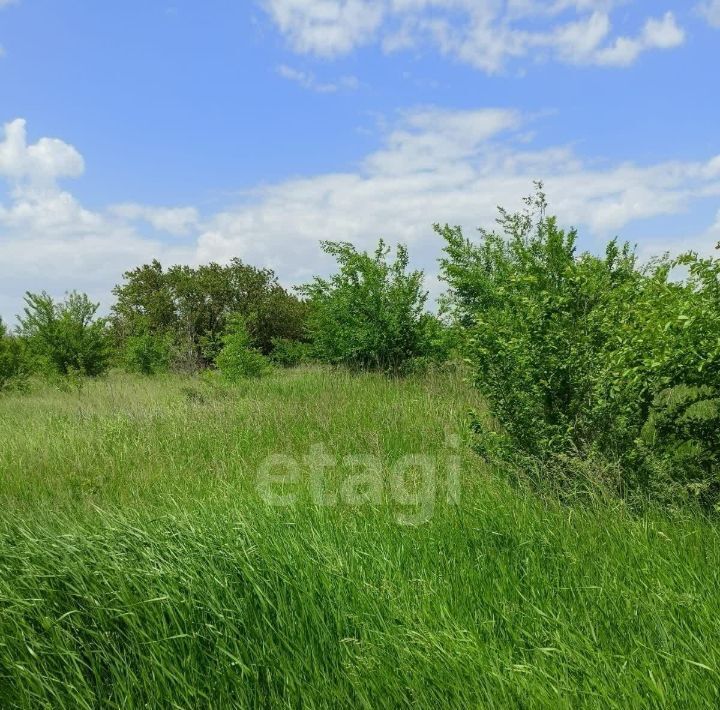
column 139, row 566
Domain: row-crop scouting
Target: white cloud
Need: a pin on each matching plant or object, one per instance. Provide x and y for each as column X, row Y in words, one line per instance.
column 48, row 240
column 308, row 81
column 44, row 161
column 428, row 139
column 485, row 35
column 710, row 10
column 423, row 175
column 327, row 27
column 432, row 165
column 656, row 34
column 178, row 221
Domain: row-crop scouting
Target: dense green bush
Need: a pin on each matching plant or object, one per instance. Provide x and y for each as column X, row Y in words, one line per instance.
column 371, row 313
column 147, row 354
column 680, row 444
column 13, row 367
column 444, row 340
column 65, row 338
column 576, row 354
column 290, row 353
column 527, row 301
column 237, row 359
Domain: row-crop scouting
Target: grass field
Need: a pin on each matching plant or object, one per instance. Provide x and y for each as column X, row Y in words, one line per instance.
column 169, row 543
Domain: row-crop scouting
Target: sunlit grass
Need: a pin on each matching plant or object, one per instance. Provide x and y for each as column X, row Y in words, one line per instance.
column 140, row 567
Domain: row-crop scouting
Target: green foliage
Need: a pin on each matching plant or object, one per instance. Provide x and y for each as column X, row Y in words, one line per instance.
column 65, row 338
column 147, row 354
column 13, row 365
column 192, row 306
column 370, row 314
column 238, row 360
column 573, row 350
column 444, row 340
column 290, row 353
column 680, row 445
column 526, row 299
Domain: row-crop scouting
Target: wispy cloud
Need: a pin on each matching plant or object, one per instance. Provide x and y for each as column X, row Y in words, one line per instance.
column 486, row 35
column 3, row 4
column 710, row 10
column 178, row 221
column 309, row 81
column 327, row 27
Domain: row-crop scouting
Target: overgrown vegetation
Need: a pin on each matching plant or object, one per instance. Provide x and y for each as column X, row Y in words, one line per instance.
column 255, row 514
column 147, row 354
column 237, row 358
column 66, row 337
column 600, row 372
column 140, row 567
column 596, row 368
column 290, row 353
column 371, row 313
column 12, row 359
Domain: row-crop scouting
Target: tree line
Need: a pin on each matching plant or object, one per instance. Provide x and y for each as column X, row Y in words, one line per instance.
column 370, row 314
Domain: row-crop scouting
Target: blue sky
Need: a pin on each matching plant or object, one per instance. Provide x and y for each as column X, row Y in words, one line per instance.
column 195, row 131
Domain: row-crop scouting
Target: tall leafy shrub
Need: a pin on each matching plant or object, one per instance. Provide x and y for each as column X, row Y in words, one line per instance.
column 371, row 313
column 65, row 337
column 147, row 353
column 290, row 353
column 237, row 358
column 578, row 354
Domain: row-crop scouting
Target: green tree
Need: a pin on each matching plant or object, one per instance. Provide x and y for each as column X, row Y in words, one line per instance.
column 192, row 306
column 13, row 366
column 65, row 337
column 371, row 313
column 237, row 358
column 145, row 303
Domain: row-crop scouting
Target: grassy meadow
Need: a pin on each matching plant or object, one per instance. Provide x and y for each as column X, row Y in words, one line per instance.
column 152, row 554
